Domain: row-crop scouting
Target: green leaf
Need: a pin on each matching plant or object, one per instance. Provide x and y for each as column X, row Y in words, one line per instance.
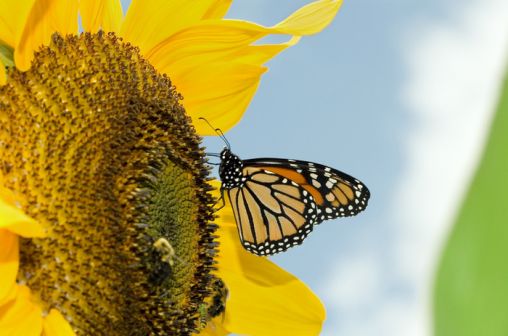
column 471, row 289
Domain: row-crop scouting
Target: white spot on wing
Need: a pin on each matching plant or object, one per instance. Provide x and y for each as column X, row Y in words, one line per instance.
column 316, row 184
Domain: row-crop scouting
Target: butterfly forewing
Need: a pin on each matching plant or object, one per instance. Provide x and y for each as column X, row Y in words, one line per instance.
column 335, row 193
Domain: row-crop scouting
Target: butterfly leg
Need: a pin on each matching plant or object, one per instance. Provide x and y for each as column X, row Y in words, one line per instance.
column 213, row 154
column 220, row 199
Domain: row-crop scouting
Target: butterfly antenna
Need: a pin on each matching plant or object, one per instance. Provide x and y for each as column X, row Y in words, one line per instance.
column 218, row 131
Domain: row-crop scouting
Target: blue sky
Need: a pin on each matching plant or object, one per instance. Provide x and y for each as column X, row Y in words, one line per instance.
column 398, row 93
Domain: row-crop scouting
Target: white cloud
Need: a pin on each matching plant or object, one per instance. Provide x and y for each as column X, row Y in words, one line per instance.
column 454, row 71
column 363, row 305
column 355, row 283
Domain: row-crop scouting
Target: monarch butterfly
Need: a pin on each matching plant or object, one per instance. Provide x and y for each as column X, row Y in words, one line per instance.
column 277, row 202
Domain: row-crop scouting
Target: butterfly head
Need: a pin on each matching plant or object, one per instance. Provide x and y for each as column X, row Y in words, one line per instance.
column 230, row 169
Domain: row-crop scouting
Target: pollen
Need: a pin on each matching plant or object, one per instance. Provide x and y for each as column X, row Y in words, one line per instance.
column 96, row 146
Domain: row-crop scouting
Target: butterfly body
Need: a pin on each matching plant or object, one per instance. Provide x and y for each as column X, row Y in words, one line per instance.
column 230, row 170
column 277, row 202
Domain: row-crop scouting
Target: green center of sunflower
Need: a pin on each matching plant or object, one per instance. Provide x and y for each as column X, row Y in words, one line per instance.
column 96, row 147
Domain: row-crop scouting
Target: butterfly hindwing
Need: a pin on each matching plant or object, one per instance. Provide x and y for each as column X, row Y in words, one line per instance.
column 272, row 212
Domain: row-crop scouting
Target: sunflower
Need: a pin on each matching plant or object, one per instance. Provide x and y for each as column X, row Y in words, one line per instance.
column 106, row 205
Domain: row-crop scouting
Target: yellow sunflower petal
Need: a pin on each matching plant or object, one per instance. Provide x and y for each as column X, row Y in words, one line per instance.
column 264, row 299
column 55, row 325
column 16, row 221
column 9, row 262
column 260, row 54
column 105, row 14
column 45, row 18
column 13, row 15
column 228, row 65
column 218, row 10
column 204, row 42
column 21, row 316
column 148, row 22
column 224, row 104
column 211, row 90
column 310, row 19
